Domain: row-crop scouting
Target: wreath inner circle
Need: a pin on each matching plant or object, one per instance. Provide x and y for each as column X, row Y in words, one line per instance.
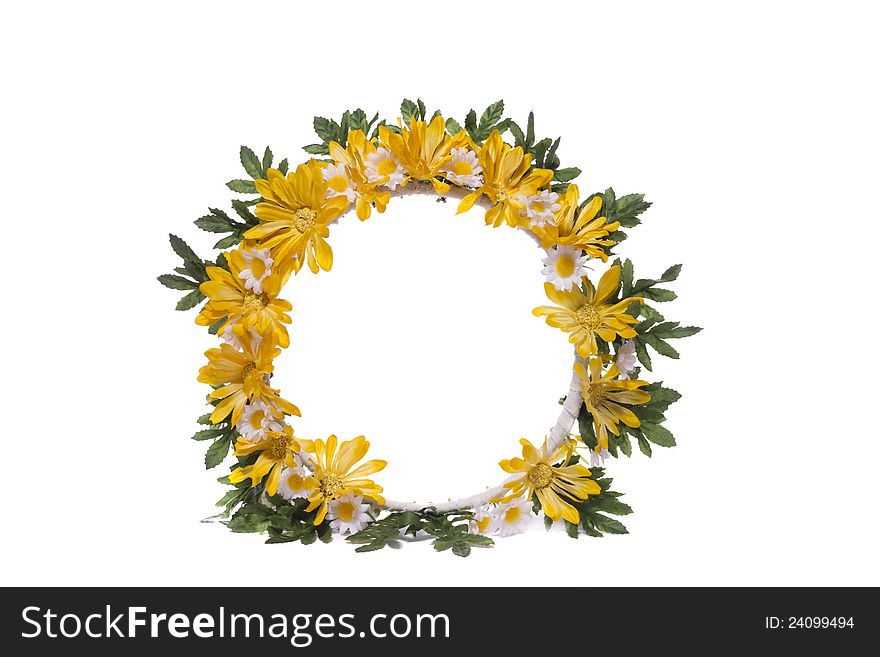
column 301, row 488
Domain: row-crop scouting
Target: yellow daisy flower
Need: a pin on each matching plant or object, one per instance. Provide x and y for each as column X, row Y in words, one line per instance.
column 506, row 178
column 335, row 474
column 295, row 213
column 423, row 149
column 604, row 396
column 258, row 308
column 585, row 316
column 581, row 229
column 553, row 484
column 243, row 376
column 276, row 451
column 354, row 158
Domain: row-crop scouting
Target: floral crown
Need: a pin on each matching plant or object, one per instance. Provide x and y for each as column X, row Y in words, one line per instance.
column 298, row 489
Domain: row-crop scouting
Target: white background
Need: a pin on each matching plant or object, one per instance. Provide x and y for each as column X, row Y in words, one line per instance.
column 753, row 129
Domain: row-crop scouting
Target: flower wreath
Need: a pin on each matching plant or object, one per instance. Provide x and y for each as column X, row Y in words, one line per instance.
column 300, row 489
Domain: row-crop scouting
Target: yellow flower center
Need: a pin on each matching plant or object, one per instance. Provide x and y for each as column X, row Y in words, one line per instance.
column 462, row 168
column 330, row 485
column 499, row 191
column 251, row 376
column 537, row 206
column 295, row 482
column 565, row 266
column 386, row 167
column 345, row 511
column 337, row 184
column 305, row 219
column 254, row 302
column 279, row 445
column 596, row 394
column 540, row 476
column 513, row 514
column 588, row 317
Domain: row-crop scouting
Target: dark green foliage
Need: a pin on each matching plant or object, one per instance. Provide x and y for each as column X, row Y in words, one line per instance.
column 450, row 531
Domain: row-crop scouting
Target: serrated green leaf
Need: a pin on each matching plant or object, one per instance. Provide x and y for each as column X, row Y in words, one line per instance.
column 214, row 224
column 626, row 278
column 658, row 434
column 228, row 241
column 408, row 110
column 642, row 354
column 453, row 127
column 208, row 434
column 323, row 128
column 177, row 282
column 242, row 186
column 183, row 250
column 660, row 346
column 317, row 149
column 566, row 175
column 282, row 167
column 266, row 163
column 190, row 300
column 251, row 162
column 671, row 274
column 217, row 451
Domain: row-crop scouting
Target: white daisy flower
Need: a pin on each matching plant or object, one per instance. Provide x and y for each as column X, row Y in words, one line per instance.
column 348, row 514
column 482, row 521
column 259, row 266
column 540, row 207
column 291, row 483
column 512, row 517
column 258, row 418
column 625, row 359
column 597, row 459
column 338, row 182
column 564, row 267
column 383, row 167
column 464, row 168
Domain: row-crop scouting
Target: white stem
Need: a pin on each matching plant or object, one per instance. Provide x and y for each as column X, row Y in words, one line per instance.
column 570, row 407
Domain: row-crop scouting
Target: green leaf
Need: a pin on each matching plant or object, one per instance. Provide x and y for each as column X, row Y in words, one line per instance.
column 282, row 167
column 642, row 354
column 530, row 132
column 190, row 300
column 658, row 434
column 267, row 162
column 671, row 274
column 251, row 162
column 489, row 119
column 566, row 175
column 453, row 127
column 470, row 124
column 217, row 451
column 208, row 434
column 214, row 328
column 626, row 278
column 177, row 282
column 408, row 110
column 607, row 525
column 659, row 294
column 248, row 523
column 242, row 186
column 422, row 109
column 660, row 346
column 205, row 419
column 323, row 128
column 228, row 241
column 317, row 149
column 644, row 445
column 571, row 529
column 612, row 505
column 214, row 224
column 183, row 249
column 516, row 131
